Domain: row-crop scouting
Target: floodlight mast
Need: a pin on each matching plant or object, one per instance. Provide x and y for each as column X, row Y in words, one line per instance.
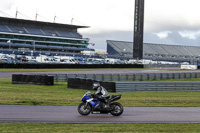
column 138, row 30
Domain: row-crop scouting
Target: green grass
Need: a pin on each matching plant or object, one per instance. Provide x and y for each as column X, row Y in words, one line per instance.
column 60, row 95
column 91, row 128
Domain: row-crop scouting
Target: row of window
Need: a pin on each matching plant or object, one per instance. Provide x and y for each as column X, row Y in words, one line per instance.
column 47, row 44
column 43, row 39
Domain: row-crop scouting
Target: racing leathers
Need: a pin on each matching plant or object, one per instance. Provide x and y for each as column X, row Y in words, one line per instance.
column 102, row 93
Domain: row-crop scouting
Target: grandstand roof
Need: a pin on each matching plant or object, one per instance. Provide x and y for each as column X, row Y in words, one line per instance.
column 5, row 20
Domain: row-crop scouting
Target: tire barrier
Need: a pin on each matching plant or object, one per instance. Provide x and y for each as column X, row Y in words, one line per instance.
column 47, row 65
column 32, row 79
column 86, row 84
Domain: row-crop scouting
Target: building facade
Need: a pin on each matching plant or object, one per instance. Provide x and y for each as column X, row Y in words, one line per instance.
column 32, row 35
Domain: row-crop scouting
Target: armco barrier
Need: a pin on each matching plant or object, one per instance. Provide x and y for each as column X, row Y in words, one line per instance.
column 32, row 79
column 86, row 84
column 156, row 86
column 127, row 77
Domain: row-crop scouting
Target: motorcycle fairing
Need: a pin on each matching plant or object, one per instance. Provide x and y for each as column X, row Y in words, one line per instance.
column 92, row 102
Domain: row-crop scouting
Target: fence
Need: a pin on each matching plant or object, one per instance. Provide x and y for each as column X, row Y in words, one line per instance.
column 156, row 86
column 164, row 65
column 56, row 65
column 126, row 77
column 135, row 86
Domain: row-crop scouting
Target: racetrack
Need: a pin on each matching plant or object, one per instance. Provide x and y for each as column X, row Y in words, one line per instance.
column 69, row 114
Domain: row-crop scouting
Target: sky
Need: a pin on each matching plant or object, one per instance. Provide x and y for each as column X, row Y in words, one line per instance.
column 174, row 22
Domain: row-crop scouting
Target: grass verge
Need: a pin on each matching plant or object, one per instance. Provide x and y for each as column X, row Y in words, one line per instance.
column 91, row 128
column 60, row 95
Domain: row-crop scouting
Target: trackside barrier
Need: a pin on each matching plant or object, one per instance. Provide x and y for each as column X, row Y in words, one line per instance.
column 55, row 65
column 32, row 79
column 156, row 86
column 126, row 77
column 134, row 86
column 86, row 84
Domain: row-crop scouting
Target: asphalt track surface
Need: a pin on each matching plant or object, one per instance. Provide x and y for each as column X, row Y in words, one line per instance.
column 114, row 71
column 69, row 114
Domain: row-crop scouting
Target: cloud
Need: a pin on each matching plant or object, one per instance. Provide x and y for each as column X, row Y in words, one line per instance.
column 174, row 38
column 5, row 7
column 6, row 4
column 190, row 34
column 166, row 21
column 163, row 34
column 171, row 15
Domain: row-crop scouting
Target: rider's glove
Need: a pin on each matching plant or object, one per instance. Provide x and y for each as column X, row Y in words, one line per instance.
column 93, row 95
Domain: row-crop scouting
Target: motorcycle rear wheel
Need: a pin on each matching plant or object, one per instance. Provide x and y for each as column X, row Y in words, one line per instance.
column 117, row 109
column 83, row 110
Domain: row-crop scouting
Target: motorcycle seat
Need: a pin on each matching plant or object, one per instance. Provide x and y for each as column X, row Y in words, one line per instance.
column 113, row 96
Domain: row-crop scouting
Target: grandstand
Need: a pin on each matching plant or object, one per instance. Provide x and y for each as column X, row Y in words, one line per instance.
column 17, row 34
column 155, row 51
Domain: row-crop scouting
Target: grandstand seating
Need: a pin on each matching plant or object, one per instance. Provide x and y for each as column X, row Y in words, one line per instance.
column 38, row 35
column 49, row 32
column 183, row 51
column 156, row 50
column 3, row 28
column 148, row 49
column 65, row 33
column 16, row 29
column 34, row 31
column 194, row 50
column 76, row 35
column 38, row 31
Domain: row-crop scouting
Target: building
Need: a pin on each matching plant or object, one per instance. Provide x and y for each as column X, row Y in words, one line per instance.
column 20, row 34
column 155, row 51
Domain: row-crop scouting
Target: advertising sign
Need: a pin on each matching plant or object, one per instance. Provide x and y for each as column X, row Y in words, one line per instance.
column 191, row 67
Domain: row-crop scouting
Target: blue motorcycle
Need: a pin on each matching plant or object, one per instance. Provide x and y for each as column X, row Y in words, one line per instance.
column 90, row 104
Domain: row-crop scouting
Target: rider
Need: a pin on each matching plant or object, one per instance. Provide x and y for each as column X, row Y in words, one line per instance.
column 101, row 93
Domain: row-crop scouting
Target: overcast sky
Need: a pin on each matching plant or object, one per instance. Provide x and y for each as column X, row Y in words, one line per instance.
column 174, row 22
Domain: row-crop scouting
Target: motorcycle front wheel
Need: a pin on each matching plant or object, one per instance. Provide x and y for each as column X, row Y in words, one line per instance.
column 116, row 109
column 84, row 109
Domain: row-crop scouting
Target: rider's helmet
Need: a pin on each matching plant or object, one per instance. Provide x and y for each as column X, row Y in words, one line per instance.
column 96, row 85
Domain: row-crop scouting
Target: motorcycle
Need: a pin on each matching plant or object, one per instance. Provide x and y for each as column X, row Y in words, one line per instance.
column 92, row 105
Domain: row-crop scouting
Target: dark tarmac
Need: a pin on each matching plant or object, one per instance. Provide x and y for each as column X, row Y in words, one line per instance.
column 69, row 114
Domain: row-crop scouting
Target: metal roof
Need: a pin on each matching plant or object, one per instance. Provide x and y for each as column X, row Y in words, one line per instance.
column 38, row 23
